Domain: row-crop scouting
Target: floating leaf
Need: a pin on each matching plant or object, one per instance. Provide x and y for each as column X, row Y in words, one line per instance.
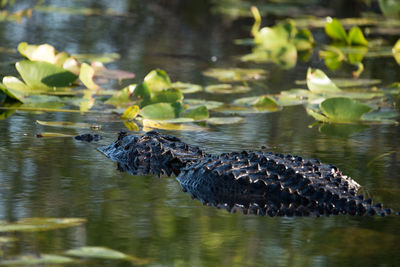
column 166, row 96
column 226, row 89
column 153, row 124
column 50, row 135
column 143, row 91
column 68, row 124
column 356, row 37
column 86, row 76
column 103, row 58
column 130, row 113
column 235, row 74
column 104, row 253
column 193, row 103
column 335, row 30
column 187, row 88
column 396, row 51
column 351, row 82
column 40, row 224
column 317, row 115
column 199, row 113
column 224, row 120
column 160, row 111
column 304, row 40
column 37, row 259
column 122, row 98
column 343, row 110
column 10, row 93
column 39, row 75
column 264, row 102
column 43, row 52
column 16, row 84
column 318, row 82
column 157, row 80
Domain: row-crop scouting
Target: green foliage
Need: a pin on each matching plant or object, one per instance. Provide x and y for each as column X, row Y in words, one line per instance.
column 335, row 30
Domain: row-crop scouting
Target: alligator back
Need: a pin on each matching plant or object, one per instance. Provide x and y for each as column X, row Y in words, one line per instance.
column 151, row 153
column 274, row 184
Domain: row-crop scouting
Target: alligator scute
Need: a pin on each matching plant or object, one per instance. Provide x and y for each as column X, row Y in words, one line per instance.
column 262, row 183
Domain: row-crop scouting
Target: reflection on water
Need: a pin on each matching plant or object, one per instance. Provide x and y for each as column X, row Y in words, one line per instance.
column 150, row 217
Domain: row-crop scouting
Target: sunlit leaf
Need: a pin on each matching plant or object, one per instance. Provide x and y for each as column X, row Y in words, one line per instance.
column 16, row 84
column 130, row 113
column 72, row 64
column 51, row 135
column 348, row 82
column 316, row 114
column 160, row 111
column 335, row 30
column 356, row 37
column 187, row 88
column 157, row 80
column 343, row 110
column 98, row 253
column 318, row 82
column 11, row 93
column 199, row 113
column 103, row 58
column 40, row 224
column 193, row 103
column 167, row 96
column 153, row 124
column 396, row 51
column 235, row 74
column 68, row 124
column 40, row 75
column 44, row 52
column 122, row 98
column 37, row 259
column 224, row 120
column 86, row 76
column 226, row 89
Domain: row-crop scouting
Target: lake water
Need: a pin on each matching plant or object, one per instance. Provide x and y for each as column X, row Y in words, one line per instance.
column 150, row 217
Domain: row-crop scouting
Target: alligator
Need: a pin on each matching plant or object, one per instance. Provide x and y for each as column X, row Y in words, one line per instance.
column 254, row 182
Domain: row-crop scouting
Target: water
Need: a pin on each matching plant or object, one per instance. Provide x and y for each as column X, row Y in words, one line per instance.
column 152, row 218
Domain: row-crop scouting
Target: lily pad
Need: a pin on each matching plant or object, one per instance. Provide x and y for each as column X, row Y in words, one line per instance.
column 40, row 75
column 224, row 120
column 318, row 82
column 16, row 85
column 261, row 102
column 68, row 124
column 351, row 82
column 52, row 134
column 166, row 96
column 187, row 88
column 86, row 76
column 122, row 98
column 37, row 259
column 344, row 110
column 193, row 103
column 157, row 80
column 235, row 74
column 130, row 113
column 154, row 124
column 10, row 93
column 161, row 111
column 199, row 113
column 40, row 224
column 43, row 52
column 226, row 89
column 104, row 253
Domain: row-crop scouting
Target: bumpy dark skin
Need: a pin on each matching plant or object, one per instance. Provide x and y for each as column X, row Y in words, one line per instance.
column 261, row 183
column 151, row 153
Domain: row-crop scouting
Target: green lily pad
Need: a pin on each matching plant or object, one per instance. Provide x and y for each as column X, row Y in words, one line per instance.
column 103, row 58
column 17, row 85
column 318, row 82
column 86, row 76
column 160, row 111
column 193, row 103
column 224, row 120
column 157, row 80
column 356, row 37
column 122, row 98
column 40, row 224
column 130, row 113
column 37, row 259
column 343, row 110
column 98, row 253
column 235, row 74
column 199, row 113
column 226, row 89
column 68, row 124
column 40, row 75
column 43, row 52
column 261, row 102
column 167, row 125
column 351, row 82
column 52, row 134
column 187, row 88
column 11, row 94
column 166, row 96
column 335, row 30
